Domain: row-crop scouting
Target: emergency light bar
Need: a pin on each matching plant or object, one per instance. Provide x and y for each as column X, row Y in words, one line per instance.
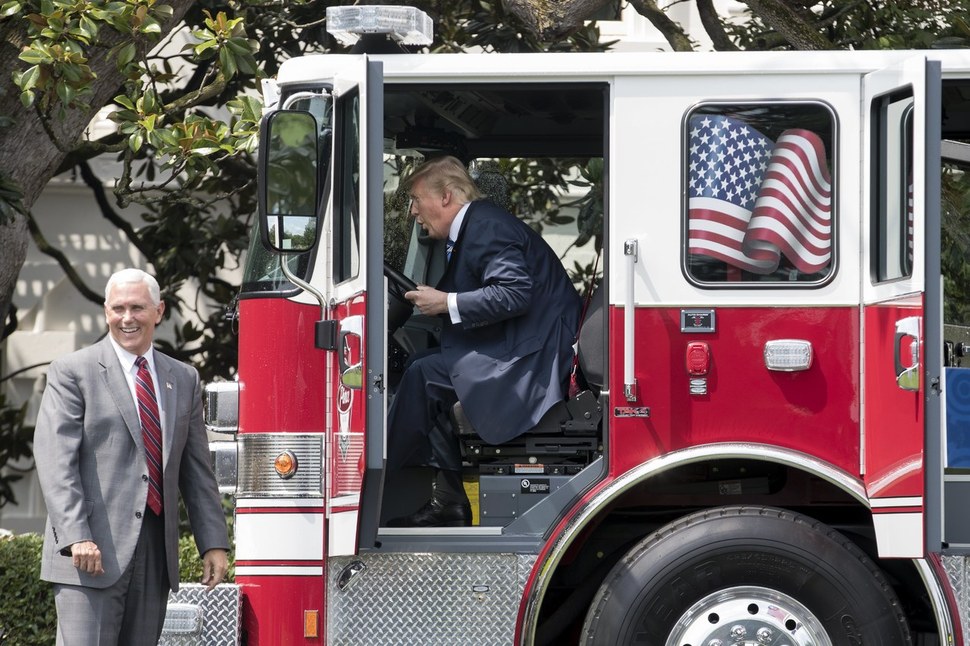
column 406, row 25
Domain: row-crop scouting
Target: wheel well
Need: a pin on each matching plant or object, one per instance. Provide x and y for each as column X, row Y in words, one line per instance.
column 666, row 496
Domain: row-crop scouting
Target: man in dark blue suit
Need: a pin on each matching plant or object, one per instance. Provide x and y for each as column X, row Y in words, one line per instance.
column 510, row 316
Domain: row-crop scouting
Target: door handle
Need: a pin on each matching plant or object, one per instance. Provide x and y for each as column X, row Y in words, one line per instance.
column 351, row 375
column 907, row 376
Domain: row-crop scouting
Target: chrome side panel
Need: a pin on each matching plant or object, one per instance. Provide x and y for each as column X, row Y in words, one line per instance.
column 257, row 475
column 428, row 599
column 218, row 612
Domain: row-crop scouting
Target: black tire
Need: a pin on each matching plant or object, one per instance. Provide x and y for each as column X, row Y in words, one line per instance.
column 748, row 566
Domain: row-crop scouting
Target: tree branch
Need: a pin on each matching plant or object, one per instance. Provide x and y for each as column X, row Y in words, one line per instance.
column 714, row 27
column 798, row 32
column 101, row 197
column 672, row 31
column 553, row 19
column 62, row 260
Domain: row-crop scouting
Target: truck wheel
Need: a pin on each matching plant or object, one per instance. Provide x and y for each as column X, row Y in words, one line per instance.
column 745, row 575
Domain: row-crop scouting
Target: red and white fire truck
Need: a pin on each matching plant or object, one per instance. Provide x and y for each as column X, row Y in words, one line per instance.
column 758, row 452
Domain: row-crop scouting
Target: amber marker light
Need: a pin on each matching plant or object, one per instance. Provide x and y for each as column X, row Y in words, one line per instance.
column 311, row 623
column 285, row 464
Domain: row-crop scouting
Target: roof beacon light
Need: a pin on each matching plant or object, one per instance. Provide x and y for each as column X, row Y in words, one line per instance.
column 788, row 355
column 406, row 25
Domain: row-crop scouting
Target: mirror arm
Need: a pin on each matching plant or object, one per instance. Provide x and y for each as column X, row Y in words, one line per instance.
column 302, row 284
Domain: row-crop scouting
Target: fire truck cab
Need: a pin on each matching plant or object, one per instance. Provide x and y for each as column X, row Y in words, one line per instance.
column 758, row 448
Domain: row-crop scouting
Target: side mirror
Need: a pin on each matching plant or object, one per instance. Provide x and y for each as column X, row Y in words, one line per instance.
column 289, row 181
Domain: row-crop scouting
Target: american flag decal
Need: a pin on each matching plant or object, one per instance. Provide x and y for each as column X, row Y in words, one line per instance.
column 753, row 200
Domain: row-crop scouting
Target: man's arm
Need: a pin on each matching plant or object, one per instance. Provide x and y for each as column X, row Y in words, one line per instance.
column 506, row 290
column 57, row 445
column 200, row 493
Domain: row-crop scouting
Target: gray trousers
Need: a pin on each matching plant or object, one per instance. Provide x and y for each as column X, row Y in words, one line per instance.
column 130, row 612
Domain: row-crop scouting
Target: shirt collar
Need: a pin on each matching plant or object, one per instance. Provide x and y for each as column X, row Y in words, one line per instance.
column 456, row 223
column 127, row 359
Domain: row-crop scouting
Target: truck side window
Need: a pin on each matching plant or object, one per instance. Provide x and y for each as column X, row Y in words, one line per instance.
column 759, row 194
column 892, row 201
column 346, row 223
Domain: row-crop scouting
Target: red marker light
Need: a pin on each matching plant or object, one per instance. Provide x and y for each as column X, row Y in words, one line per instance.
column 698, row 358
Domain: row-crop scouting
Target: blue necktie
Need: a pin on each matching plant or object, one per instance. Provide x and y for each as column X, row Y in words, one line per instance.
column 448, row 247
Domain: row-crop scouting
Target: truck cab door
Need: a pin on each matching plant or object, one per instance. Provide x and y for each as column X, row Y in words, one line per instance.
column 355, row 441
column 901, row 309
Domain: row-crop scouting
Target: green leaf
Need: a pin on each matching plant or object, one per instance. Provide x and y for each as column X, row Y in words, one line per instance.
column 125, row 101
column 227, row 62
column 35, row 56
column 11, row 9
column 126, row 54
column 28, row 80
column 136, row 141
column 65, row 92
column 205, row 45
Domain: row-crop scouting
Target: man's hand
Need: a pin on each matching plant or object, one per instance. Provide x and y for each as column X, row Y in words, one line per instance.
column 215, row 564
column 428, row 300
column 87, row 557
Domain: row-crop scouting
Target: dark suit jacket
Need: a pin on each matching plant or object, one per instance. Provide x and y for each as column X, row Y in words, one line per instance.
column 511, row 355
column 91, row 464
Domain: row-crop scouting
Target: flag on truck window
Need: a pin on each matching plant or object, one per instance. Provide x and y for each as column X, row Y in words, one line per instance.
column 753, row 200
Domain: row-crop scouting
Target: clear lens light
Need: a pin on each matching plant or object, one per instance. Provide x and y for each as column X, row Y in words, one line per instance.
column 407, row 25
column 182, row 619
column 788, row 355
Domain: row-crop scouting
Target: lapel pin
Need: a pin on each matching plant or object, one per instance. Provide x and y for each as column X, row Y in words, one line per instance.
column 168, row 384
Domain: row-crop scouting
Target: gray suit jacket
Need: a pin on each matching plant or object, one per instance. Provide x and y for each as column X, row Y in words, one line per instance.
column 91, row 464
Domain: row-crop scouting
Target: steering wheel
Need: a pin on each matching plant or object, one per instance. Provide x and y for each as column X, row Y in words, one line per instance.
column 399, row 309
column 399, row 282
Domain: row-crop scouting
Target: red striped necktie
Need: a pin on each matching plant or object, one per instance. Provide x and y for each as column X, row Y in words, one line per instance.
column 151, row 428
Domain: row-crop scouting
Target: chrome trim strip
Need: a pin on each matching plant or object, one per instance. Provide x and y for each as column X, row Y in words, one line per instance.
column 944, row 621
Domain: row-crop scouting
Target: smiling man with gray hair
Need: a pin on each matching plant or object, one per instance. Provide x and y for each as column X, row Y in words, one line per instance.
column 119, row 435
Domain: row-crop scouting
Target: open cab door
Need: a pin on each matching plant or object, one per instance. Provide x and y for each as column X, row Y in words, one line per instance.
column 355, row 442
column 901, row 308
column 323, row 195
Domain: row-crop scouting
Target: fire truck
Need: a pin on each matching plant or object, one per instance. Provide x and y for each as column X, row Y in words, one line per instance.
column 768, row 442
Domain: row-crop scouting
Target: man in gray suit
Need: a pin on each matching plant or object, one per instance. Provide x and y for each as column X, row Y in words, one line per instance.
column 509, row 317
column 111, row 544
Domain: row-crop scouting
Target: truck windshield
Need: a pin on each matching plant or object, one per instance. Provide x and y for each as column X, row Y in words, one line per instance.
column 263, row 274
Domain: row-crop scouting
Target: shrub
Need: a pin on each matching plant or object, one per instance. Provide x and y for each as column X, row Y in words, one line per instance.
column 190, row 563
column 26, row 603
column 27, row 615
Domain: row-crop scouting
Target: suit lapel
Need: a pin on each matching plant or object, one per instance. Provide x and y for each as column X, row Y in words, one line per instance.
column 168, row 395
column 117, row 385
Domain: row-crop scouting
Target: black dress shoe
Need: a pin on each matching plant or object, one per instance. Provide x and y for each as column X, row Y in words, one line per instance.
column 436, row 514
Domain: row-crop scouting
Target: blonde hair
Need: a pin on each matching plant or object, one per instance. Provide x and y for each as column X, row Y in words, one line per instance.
column 443, row 173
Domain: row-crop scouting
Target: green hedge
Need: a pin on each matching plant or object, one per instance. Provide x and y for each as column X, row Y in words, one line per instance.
column 27, row 603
